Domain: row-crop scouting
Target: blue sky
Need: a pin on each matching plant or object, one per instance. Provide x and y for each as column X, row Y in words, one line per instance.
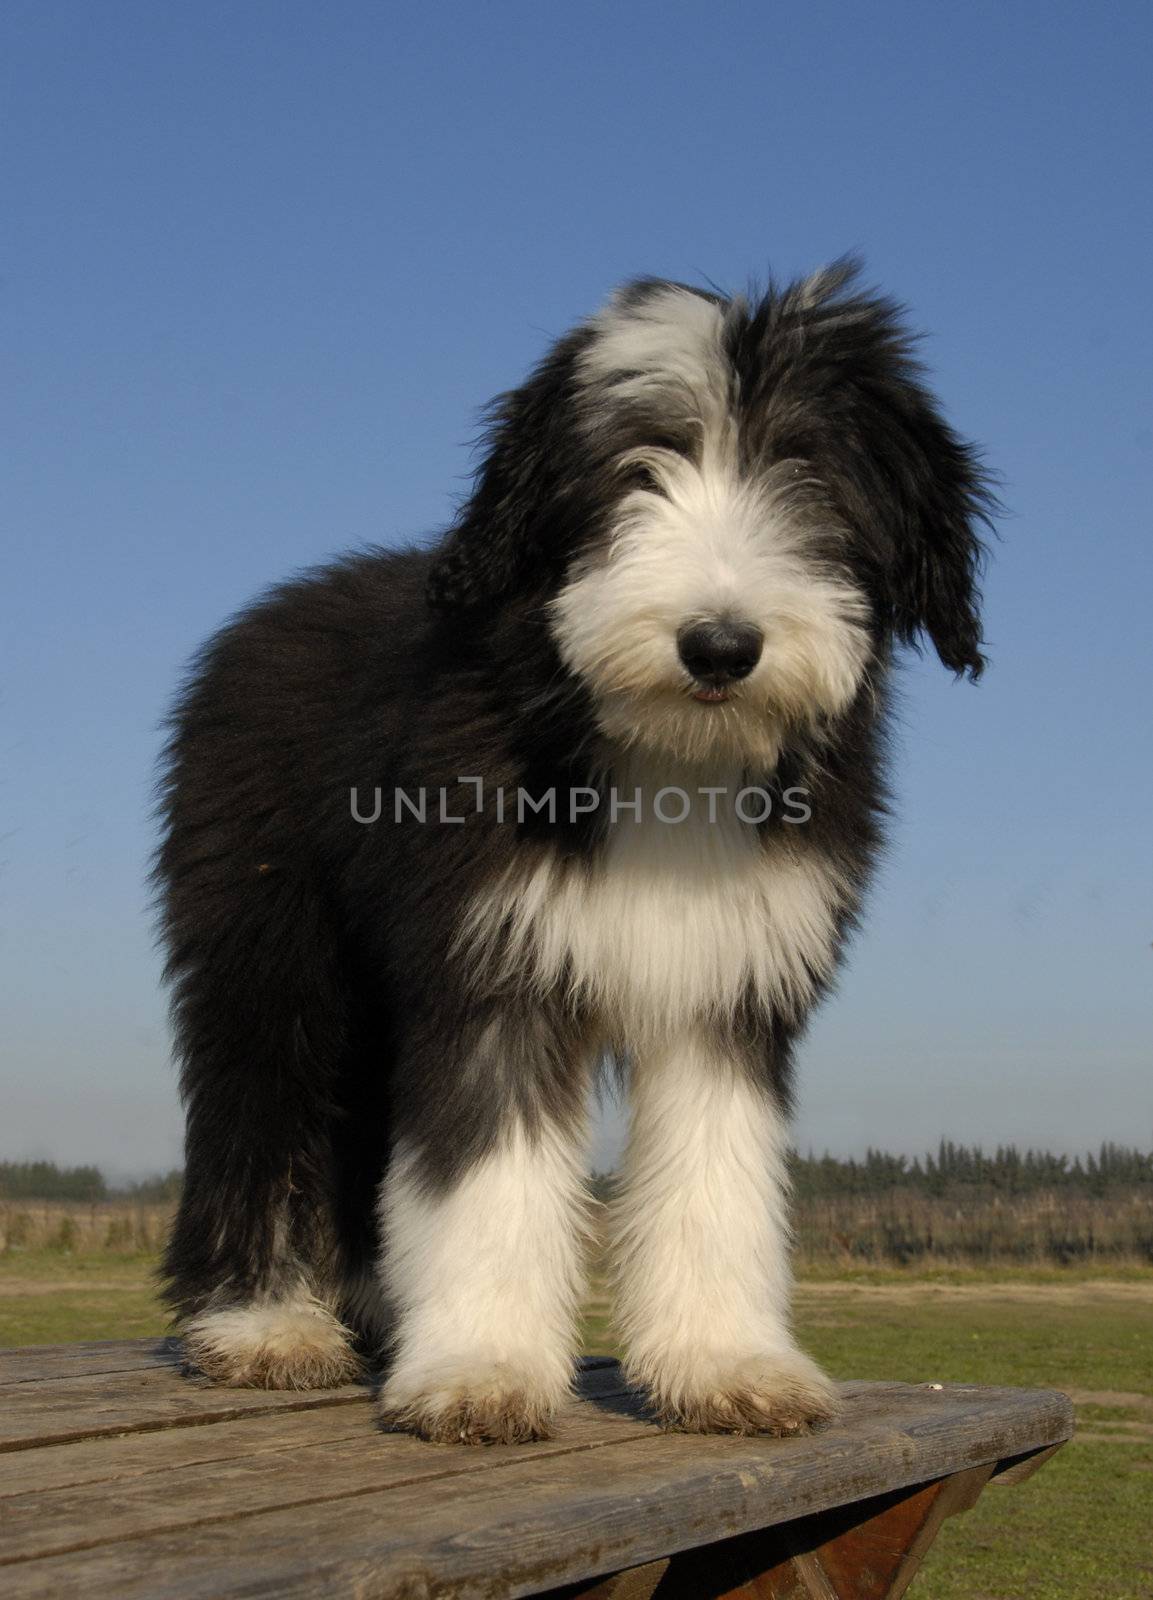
column 264, row 262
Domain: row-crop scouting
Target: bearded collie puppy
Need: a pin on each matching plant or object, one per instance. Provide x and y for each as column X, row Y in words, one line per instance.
column 596, row 777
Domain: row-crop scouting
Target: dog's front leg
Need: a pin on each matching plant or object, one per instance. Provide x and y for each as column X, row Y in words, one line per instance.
column 702, row 1247
column 483, row 1254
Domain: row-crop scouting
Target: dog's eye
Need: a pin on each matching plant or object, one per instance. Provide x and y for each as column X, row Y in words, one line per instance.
column 642, row 477
column 642, row 468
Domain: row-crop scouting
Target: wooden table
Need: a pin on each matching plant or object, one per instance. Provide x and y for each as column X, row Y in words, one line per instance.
column 121, row 1477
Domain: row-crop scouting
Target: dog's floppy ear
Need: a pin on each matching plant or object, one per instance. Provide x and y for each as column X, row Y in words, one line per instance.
column 915, row 491
column 936, row 494
column 509, row 524
column 488, row 543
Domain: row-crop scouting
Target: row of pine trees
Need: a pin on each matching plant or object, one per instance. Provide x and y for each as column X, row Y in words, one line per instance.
column 952, row 1169
column 960, row 1167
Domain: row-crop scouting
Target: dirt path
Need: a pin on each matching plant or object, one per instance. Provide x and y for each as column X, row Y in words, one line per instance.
column 13, row 1288
column 1136, row 1291
column 1133, row 1291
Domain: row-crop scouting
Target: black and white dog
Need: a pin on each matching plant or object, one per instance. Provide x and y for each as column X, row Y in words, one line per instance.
column 621, row 733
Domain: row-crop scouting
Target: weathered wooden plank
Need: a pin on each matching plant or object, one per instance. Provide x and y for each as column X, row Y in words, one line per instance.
column 303, row 1471
column 60, row 1408
column 110, row 1456
column 51, row 1411
column 519, row 1529
column 70, row 1361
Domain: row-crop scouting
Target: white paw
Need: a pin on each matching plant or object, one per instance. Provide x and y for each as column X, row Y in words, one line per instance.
column 456, row 1401
column 294, row 1343
column 777, row 1392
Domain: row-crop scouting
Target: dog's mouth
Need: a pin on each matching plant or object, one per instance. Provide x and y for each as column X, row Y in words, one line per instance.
column 711, row 694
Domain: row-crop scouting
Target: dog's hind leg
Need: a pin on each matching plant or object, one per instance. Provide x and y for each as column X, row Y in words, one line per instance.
column 702, row 1246
column 261, row 1023
column 483, row 1249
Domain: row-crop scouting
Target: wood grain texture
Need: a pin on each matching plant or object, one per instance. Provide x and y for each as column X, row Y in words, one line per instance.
column 71, row 1361
column 116, row 1456
column 178, row 1490
column 304, row 1468
column 55, row 1411
column 109, row 1456
column 59, row 1408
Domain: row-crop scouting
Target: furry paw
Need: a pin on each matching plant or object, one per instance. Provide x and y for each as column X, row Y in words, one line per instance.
column 272, row 1344
column 495, row 1404
column 779, row 1392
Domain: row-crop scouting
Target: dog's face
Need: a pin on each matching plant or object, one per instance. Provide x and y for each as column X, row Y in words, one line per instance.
column 726, row 512
column 714, row 611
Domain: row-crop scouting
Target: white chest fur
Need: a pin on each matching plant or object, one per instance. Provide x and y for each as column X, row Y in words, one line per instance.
column 675, row 922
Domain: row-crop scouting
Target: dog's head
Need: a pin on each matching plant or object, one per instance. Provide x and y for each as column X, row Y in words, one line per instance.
column 727, row 511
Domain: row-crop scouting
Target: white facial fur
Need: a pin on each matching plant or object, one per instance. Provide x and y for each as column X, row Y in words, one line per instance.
column 705, row 541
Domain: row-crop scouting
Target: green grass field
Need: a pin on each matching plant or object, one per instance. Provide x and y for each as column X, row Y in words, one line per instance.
column 1084, row 1525
column 1082, row 1529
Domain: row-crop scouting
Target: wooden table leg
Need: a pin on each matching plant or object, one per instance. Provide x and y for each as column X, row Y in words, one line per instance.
column 634, row 1583
column 870, row 1550
column 867, row 1551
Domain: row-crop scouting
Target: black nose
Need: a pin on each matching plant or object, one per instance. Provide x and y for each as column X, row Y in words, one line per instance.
column 718, row 652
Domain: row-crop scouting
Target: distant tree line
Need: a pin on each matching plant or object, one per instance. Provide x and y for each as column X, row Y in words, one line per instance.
column 959, row 1168
column 955, row 1168
column 46, row 1180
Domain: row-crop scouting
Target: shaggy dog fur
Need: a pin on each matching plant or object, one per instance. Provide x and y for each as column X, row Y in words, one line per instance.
column 700, row 529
